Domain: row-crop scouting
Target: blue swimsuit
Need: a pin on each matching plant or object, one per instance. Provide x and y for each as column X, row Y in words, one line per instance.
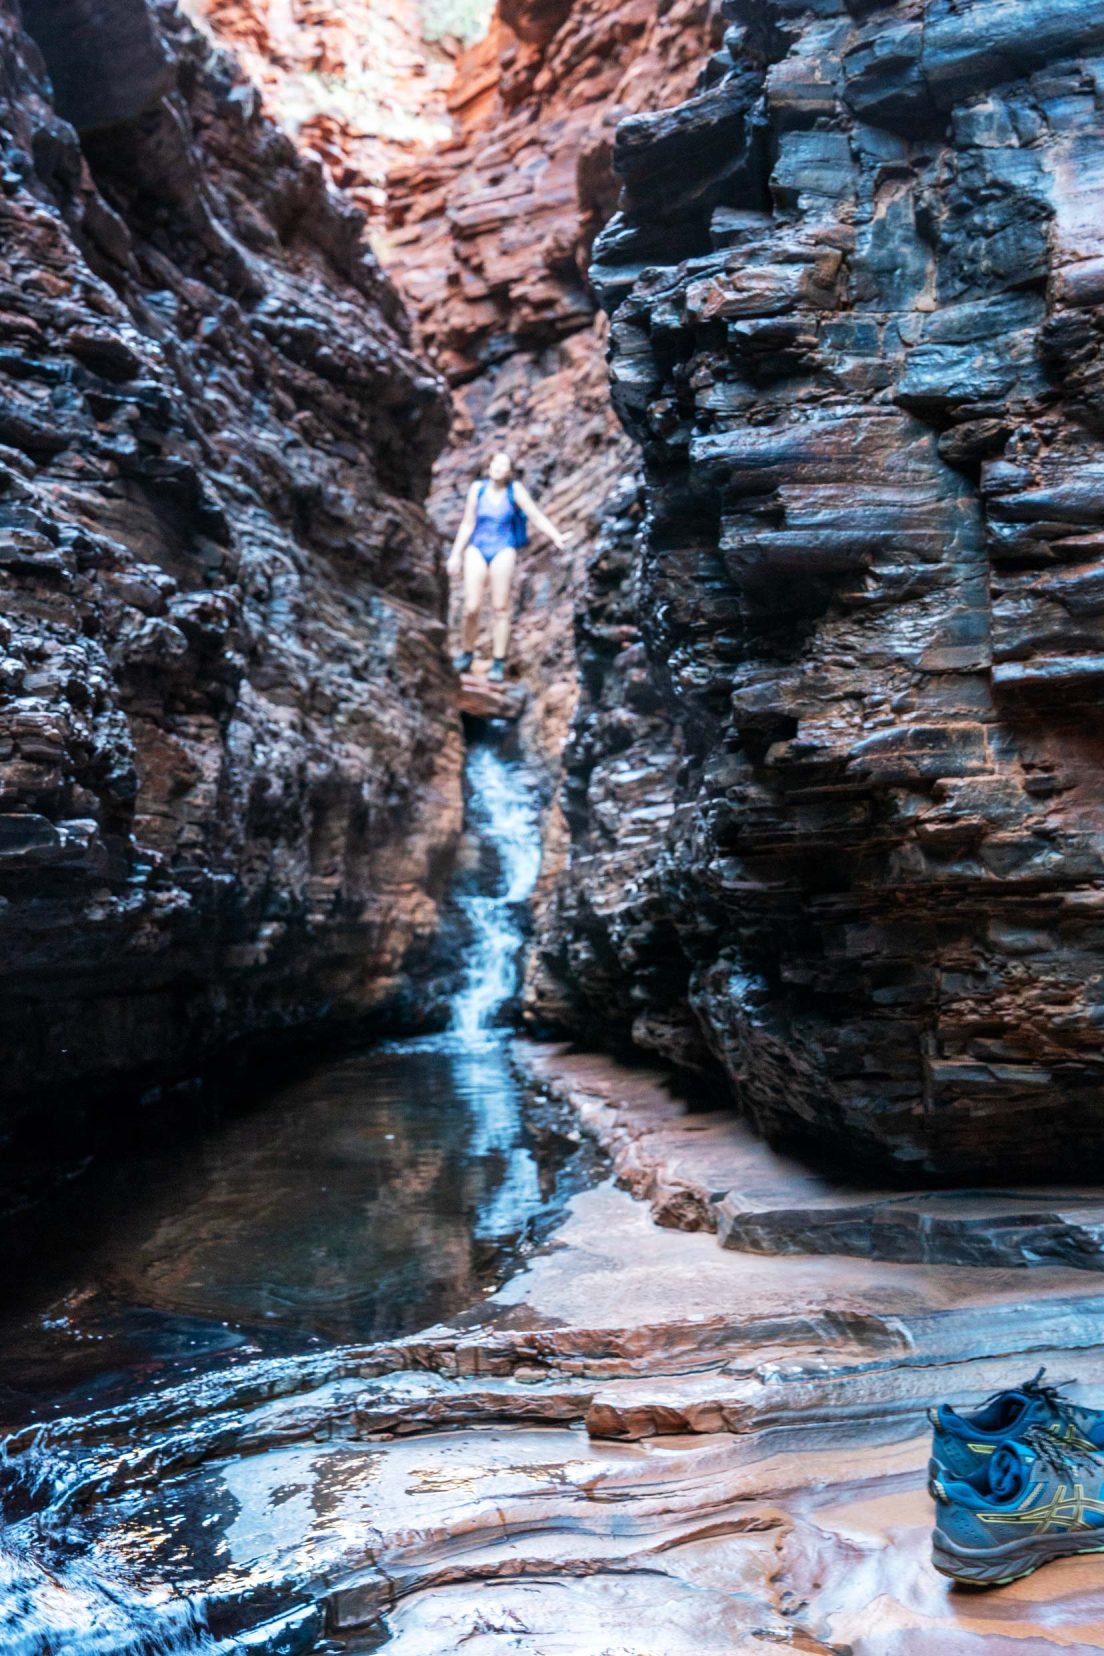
column 496, row 525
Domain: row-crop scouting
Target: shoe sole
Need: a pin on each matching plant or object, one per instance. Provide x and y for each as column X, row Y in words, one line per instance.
column 997, row 1566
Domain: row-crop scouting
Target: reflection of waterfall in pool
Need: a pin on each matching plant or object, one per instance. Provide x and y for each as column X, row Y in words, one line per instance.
column 378, row 1194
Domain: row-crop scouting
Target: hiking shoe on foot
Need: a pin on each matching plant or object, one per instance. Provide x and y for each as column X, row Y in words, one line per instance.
column 463, row 662
column 498, row 670
column 961, row 1444
column 1032, row 1500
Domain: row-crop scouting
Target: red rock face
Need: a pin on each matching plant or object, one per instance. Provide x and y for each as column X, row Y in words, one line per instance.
column 356, row 83
column 837, row 800
column 489, row 242
column 230, row 751
column 491, row 237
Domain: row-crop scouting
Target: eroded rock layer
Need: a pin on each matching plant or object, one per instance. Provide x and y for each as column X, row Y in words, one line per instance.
column 836, row 779
column 230, row 754
column 358, row 84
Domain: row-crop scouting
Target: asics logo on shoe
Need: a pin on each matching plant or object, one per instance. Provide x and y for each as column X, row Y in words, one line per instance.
column 1064, row 1511
column 1067, row 1432
column 1029, row 1500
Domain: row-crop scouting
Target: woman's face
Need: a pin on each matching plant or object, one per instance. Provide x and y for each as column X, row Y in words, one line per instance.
column 501, row 468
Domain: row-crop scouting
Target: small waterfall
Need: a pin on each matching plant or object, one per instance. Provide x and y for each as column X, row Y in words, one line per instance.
column 504, row 811
column 59, row 1594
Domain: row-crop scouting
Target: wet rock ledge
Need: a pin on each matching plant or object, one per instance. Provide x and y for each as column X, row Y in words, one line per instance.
column 229, row 752
column 835, row 784
column 645, row 1442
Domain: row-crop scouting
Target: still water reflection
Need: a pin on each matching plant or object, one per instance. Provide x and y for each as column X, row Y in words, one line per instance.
column 374, row 1197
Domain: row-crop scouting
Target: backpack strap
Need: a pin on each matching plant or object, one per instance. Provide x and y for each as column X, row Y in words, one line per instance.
column 521, row 522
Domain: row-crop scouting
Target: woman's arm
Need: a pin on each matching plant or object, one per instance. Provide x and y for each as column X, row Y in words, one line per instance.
column 535, row 515
column 464, row 533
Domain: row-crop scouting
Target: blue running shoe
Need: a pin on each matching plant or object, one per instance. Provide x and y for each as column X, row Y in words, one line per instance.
column 1031, row 1501
column 961, row 1444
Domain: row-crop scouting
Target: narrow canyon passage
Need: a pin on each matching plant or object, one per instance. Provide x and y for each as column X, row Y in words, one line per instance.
column 510, row 1167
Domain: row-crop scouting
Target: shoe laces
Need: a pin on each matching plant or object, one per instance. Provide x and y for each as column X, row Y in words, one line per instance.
column 1050, row 1392
column 1066, row 1459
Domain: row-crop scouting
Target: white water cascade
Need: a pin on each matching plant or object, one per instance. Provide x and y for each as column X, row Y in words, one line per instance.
column 504, row 812
column 63, row 1592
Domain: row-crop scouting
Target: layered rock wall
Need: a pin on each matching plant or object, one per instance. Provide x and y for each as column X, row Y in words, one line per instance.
column 489, row 241
column 229, row 749
column 836, row 778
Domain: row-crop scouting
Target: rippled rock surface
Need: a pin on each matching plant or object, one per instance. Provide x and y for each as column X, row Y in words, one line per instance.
column 837, row 793
column 230, row 753
column 643, row 1442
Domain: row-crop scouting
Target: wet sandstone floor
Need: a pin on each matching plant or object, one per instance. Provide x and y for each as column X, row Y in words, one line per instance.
column 642, row 1443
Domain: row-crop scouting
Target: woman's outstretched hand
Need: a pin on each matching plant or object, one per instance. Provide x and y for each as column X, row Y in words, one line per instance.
column 453, row 564
column 560, row 540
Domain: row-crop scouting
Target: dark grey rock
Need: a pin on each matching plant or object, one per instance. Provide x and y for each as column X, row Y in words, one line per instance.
column 866, row 594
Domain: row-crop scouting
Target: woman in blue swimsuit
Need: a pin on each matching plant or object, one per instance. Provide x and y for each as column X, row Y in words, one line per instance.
column 494, row 527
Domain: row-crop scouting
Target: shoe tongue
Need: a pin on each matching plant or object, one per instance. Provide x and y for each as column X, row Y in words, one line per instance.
column 1006, row 1470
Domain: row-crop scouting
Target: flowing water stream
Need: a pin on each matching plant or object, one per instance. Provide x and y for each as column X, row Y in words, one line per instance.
column 503, row 811
column 359, row 1202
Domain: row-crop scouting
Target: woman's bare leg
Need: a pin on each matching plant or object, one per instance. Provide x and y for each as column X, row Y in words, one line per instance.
column 475, row 580
column 502, row 575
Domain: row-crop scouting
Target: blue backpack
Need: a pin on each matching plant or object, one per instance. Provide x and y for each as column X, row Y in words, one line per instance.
column 519, row 523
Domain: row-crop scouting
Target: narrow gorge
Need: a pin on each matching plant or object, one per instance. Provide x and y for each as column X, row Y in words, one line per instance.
column 510, row 1168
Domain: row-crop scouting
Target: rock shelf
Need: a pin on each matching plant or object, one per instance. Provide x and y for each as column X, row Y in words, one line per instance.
column 480, row 699
column 706, row 1170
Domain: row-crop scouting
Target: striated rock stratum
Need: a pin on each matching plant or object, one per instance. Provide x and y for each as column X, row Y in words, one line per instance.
column 229, row 746
column 835, row 785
